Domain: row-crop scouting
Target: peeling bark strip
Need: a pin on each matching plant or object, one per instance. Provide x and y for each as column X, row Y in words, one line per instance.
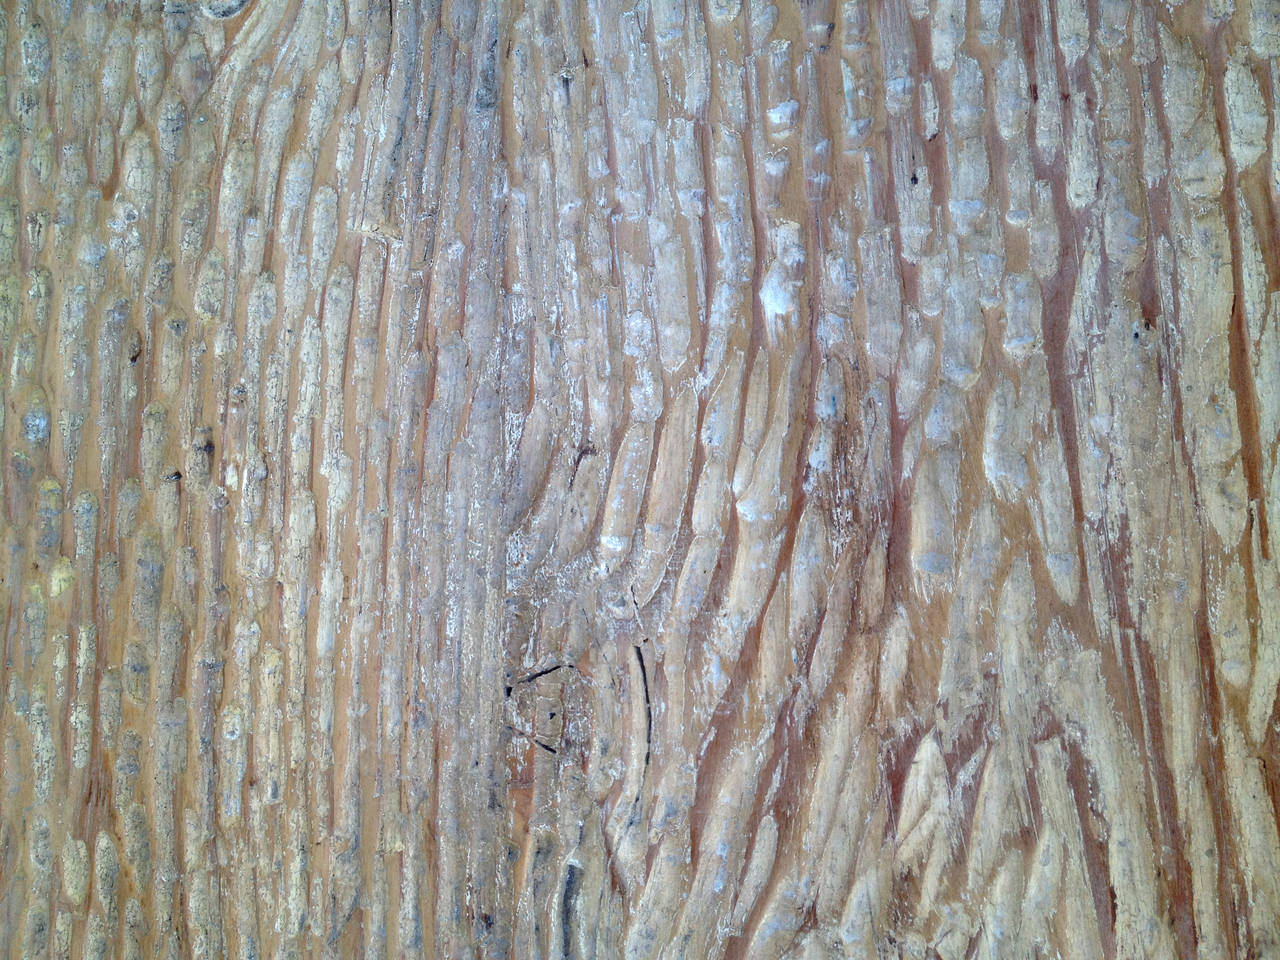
column 604, row 479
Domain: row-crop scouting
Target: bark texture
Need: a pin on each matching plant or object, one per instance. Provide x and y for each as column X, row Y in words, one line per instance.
column 583, row 478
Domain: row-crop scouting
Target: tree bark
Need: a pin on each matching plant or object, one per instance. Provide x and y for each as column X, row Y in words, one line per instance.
column 577, row 478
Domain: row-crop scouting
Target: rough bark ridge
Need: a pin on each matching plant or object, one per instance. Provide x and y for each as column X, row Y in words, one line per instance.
column 583, row 478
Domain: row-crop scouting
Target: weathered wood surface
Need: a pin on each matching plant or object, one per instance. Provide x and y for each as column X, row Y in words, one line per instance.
column 594, row 479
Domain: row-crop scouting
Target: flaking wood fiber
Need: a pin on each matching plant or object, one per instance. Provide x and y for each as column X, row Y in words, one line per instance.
column 586, row 478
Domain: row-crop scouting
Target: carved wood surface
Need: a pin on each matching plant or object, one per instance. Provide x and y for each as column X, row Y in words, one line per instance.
column 584, row 478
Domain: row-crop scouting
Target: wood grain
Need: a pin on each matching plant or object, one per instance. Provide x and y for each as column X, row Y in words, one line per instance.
column 584, row 478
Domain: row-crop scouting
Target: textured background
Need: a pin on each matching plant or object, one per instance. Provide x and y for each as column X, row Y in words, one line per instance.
column 593, row 479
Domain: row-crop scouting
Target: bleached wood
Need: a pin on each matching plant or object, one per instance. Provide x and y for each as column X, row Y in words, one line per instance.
column 610, row 479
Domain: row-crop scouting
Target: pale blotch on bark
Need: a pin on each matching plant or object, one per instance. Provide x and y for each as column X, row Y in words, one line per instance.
column 597, row 479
